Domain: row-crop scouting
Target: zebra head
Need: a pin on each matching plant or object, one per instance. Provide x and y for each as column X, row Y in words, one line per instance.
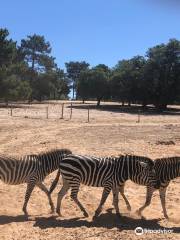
column 144, row 173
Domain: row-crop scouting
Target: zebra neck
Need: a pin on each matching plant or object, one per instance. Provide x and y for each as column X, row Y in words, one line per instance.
column 132, row 168
column 168, row 172
column 50, row 163
column 123, row 172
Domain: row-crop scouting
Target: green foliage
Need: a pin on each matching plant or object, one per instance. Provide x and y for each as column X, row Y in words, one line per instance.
column 29, row 71
column 36, row 52
column 15, row 88
column 51, row 85
column 162, row 71
column 74, row 70
column 93, row 84
column 7, row 48
column 127, row 79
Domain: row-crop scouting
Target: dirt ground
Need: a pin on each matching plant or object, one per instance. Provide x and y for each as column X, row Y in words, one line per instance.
column 109, row 132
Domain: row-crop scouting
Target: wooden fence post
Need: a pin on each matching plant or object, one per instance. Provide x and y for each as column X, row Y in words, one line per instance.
column 62, row 111
column 47, row 112
column 11, row 113
column 88, row 113
column 71, row 112
column 138, row 116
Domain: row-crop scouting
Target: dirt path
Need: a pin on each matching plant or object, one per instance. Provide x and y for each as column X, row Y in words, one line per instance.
column 106, row 134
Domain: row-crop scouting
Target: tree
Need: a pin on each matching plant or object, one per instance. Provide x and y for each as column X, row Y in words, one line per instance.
column 36, row 52
column 7, row 48
column 93, row 84
column 163, row 72
column 62, row 84
column 127, row 78
column 51, row 85
column 83, row 85
column 15, row 88
column 74, row 70
column 13, row 78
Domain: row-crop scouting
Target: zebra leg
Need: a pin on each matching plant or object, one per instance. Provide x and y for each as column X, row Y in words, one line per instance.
column 45, row 190
column 54, row 183
column 105, row 194
column 30, row 186
column 74, row 193
column 116, row 200
column 61, row 194
column 121, row 189
column 162, row 192
column 149, row 194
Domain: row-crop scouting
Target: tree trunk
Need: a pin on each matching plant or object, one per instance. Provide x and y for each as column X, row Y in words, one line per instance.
column 98, row 102
column 144, row 105
column 73, row 88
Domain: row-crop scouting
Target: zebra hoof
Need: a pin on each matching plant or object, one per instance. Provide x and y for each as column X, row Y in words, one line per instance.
column 138, row 213
column 129, row 208
column 25, row 213
column 86, row 214
column 94, row 217
column 143, row 218
column 52, row 212
column 59, row 213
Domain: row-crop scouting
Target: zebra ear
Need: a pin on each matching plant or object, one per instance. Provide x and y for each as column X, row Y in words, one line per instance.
column 144, row 164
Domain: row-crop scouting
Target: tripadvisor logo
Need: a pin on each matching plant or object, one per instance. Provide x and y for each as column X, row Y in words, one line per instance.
column 140, row 231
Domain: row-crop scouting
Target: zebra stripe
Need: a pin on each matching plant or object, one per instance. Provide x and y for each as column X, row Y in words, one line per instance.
column 31, row 169
column 103, row 172
column 166, row 170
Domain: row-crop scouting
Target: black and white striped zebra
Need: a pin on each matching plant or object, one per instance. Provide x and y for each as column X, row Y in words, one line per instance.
column 107, row 172
column 31, row 169
column 166, row 169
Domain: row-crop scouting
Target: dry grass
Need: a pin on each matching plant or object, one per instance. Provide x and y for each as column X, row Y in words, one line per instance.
column 110, row 132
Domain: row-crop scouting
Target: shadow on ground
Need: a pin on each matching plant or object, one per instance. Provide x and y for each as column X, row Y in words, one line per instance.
column 134, row 109
column 106, row 220
column 9, row 219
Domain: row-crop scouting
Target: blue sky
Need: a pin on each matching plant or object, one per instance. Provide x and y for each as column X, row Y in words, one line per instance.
column 97, row 31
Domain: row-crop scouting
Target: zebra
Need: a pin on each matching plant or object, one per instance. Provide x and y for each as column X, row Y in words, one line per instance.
column 31, row 169
column 166, row 170
column 107, row 172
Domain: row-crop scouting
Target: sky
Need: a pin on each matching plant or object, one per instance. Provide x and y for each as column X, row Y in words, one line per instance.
column 96, row 31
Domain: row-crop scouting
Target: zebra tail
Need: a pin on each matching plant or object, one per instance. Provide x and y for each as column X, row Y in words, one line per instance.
column 54, row 183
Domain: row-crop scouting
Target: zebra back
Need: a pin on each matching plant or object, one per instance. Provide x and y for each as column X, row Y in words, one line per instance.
column 16, row 171
column 97, row 171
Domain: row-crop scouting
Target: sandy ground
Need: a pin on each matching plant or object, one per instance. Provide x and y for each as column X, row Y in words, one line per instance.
column 109, row 132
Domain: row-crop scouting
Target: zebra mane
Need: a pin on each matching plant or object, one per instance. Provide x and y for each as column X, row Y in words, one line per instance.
column 136, row 158
column 141, row 159
column 169, row 160
column 54, row 151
